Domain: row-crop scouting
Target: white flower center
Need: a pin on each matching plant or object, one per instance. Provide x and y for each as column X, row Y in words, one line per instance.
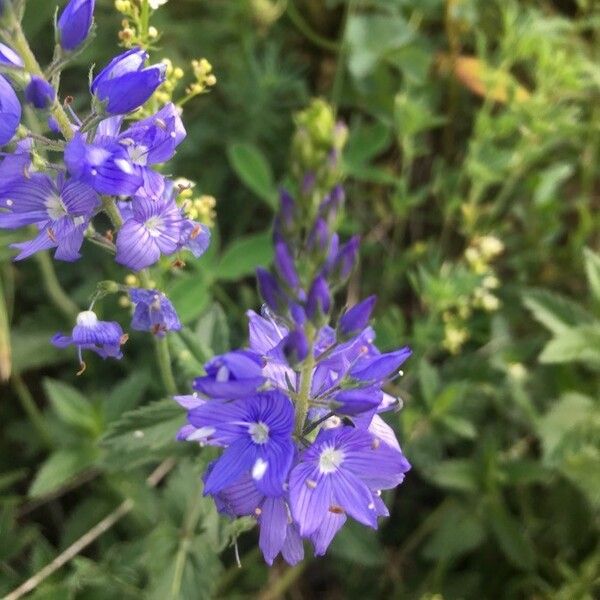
column 87, row 318
column 138, row 154
column 152, row 225
column 259, row 469
column 259, row 432
column 330, row 459
column 55, row 207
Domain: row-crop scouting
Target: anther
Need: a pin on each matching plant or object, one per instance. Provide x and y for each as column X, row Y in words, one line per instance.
column 311, row 484
column 82, row 368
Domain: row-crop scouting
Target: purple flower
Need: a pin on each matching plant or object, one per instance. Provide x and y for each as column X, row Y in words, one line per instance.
column 256, row 433
column 105, row 338
column 346, row 258
column 10, row 112
column 285, row 265
column 61, row 210
column 103, row 165
column 318, row 302
column 39, row 93
column 195, row 237
column 9, row 58
column 278, row 533
column 153, row 312
column 153, row 229
column 124, row 84
column 356, row 318
column 269, row 290
column 338, row 474
column 74, row 23
column 232, row 375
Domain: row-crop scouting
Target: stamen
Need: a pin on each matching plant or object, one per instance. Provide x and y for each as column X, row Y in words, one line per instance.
column 123, row 339
column 336, row 510
column 376, row 443
column 82, row 368
column 257, row 511
column 311, row 484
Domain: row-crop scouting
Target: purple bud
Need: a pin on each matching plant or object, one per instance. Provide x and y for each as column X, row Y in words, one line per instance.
column 74, row 23
column 356, row 318
column 295, row 347
column 10, row 112
column 39, row 93
column 285, row 265
column 124, row 84
column 308, row 183
column 333, row 202
column 269, row 290
column 53, row 125
column 318, row 302
column 346, row 258
column 287, row 208
column 8, row 57
column 319, row 237
column 298, row 314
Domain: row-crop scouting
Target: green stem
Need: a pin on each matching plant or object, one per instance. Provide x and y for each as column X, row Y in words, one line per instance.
column 57, row 295
column 306, row 375
column 187, row 537
column 110, row 208
column 278, row 588
column 30, row 407
column 21, row 45
column 163, row 358
column 310, row 34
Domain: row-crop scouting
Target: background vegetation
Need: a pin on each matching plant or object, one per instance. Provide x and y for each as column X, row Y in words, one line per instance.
column 472, row 173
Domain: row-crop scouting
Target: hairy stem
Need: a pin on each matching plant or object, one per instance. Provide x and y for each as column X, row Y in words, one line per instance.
column 21, row 45
column 56, row 293
column 85, row 540
column 187, row 536
column 30, row 407
column 306, row 375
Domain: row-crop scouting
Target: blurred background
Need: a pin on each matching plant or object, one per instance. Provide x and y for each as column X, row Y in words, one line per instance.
column 472, row 172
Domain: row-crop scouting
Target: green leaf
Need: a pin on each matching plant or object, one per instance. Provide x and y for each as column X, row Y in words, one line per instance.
column 243, row 256
column 143, row 434
column 592, row 271
column 254, row 170
column 459, row 532
column 358, row 545
column 212, row 331
column 71, row 407
column 371, row 36
column 126, row 394
column 429, row 381
column 510, row 536
column 189, row 295
column 455, row 474
column 365, row 142
column 579, row 344
column 555, row 312
column 32, row 349
column 59, row 468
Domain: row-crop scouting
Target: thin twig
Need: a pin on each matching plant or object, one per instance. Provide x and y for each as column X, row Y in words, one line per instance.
column 85, row 540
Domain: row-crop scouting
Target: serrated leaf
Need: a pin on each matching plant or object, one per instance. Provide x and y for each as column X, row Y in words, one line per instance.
column 254, row 170
column 59, row 468
column 510, row 536
column 32, row 349
column 578, row 344
column 212, row 330
column 243, row 256
column 143, row 434
column 71, row 406
column 555, row 312
column 125, row 395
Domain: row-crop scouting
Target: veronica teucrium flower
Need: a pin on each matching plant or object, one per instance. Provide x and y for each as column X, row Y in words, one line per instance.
column 153, row 229
column 105, row 338
column 74, row 23
column 10, row 112
column 153, row 312
column 60, row 209
column 256, row 433
column 339, row 474
column 125, row 84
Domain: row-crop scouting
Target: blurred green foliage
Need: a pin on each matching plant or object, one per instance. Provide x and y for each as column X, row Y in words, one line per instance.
column 471, row 123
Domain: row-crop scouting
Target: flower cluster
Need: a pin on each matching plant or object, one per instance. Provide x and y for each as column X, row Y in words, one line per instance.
column 298, row 412
column 108, row 161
